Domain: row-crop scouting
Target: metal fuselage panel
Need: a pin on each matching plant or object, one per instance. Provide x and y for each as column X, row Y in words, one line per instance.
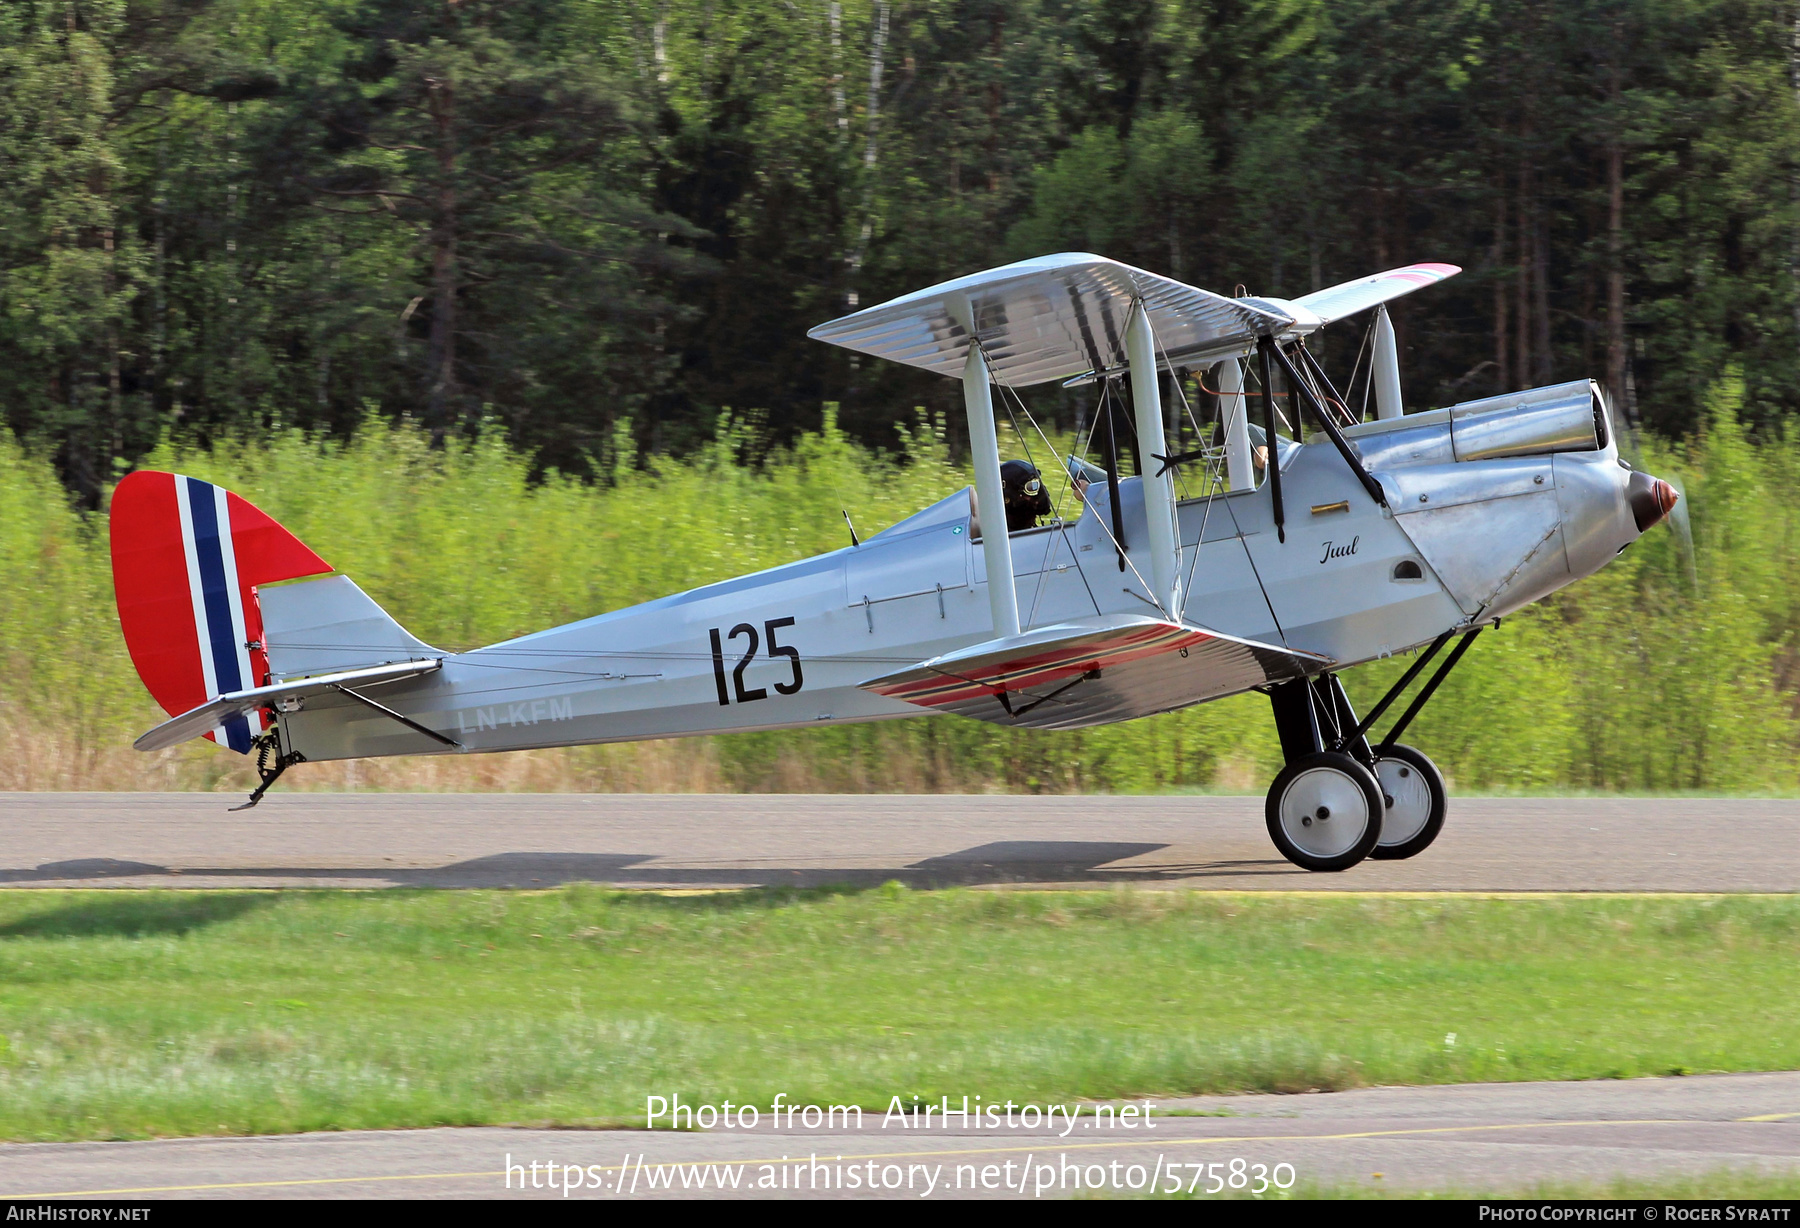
column 1330, row 587
column 788, row 647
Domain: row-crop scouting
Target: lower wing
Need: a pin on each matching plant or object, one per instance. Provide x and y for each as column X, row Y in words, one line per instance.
column 1093, row 671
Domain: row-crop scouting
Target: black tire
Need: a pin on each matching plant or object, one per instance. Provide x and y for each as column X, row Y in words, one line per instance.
column 1316, row 790
column 1407, row 768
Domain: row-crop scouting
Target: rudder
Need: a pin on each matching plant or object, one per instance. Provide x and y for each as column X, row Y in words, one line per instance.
column 187, row 557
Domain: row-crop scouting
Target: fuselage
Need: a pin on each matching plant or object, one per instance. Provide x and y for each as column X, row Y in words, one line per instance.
column 1457, row 543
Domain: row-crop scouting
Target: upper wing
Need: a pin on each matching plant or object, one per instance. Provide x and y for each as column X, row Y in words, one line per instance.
column 1092, row 671
column 1348, row 298
column 1051, row 318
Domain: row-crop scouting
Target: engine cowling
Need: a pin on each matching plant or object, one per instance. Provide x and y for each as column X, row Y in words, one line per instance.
column 1537, row 422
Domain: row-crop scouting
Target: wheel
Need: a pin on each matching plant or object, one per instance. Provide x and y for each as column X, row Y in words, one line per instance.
column 1415, row 797
column 1324, row 811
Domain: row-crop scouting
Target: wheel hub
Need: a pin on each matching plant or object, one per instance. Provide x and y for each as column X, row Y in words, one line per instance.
column 1324, row 812
column 1408, row 801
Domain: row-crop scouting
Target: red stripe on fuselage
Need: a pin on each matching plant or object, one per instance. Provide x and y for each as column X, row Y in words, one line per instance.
column 1038, row 669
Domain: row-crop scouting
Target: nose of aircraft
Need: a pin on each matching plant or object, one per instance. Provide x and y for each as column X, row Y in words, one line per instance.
column 1651, row 500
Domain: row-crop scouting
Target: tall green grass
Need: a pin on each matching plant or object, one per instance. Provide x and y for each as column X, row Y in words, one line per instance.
column 1653, row 675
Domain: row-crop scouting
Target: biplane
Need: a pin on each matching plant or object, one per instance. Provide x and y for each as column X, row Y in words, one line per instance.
column 1296, row 538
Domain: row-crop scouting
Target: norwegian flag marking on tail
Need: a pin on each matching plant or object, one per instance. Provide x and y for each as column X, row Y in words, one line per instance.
column 218, row 602
column 187, row 557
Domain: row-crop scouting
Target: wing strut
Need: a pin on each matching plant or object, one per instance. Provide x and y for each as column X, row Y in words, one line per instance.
column 1159, row 487
column 990, row 499
column 1265, row 345
column 1109, row 415
column 1384, row 367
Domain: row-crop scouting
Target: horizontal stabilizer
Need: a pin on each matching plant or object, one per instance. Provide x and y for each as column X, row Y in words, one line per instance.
column 1092, row 671
column 1348, row 298
column 1050, row 318
column 214, row 712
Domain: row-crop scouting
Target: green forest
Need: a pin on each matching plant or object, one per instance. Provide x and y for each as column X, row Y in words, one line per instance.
column 503, row 275
column 558, row 216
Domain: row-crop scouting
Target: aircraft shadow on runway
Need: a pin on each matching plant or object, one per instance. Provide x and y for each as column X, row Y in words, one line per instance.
column 1006, row 861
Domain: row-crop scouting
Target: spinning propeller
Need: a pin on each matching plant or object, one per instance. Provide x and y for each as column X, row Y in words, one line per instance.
column 1655, row 499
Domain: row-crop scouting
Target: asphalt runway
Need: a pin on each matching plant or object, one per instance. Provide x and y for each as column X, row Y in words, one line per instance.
column 1502, row 1137
column 723, row 841
column 1505, row 1137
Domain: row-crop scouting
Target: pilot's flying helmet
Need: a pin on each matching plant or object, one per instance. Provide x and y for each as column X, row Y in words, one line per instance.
column 1026, row 498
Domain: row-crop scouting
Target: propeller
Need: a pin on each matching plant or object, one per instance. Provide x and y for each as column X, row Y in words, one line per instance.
column 1676, row 513
column 1684, row 532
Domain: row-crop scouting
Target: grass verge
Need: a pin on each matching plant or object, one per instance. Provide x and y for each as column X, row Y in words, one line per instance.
column 132, row 1014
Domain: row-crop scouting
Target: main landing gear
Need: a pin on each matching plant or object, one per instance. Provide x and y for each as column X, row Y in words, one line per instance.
column 1340, row 799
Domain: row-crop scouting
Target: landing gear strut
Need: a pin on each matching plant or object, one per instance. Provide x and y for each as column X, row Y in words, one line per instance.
column 1340, row 799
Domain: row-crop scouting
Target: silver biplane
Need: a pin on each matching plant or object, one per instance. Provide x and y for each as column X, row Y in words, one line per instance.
column 1296, row 541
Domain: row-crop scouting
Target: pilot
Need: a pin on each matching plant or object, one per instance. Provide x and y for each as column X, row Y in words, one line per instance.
column 1026, row 498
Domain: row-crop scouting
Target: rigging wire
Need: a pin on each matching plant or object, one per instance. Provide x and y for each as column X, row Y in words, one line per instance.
column 1366, row 346
column 1212, row 487
column 1060, row 529
column 1272, row 456
column 1050, row 543
column 1069, row 479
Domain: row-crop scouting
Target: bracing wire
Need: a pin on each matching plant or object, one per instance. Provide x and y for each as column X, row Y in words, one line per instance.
column 1273, row 457
column 1060, row 531
column 1037, row 595
column 1023, row 441
column 1060, row 527
column 1069, row 480
column 1365, row 347
column 1211, row 488
column 1323, row 393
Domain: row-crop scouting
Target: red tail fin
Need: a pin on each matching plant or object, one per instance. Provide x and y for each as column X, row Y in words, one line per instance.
column 187, row 557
